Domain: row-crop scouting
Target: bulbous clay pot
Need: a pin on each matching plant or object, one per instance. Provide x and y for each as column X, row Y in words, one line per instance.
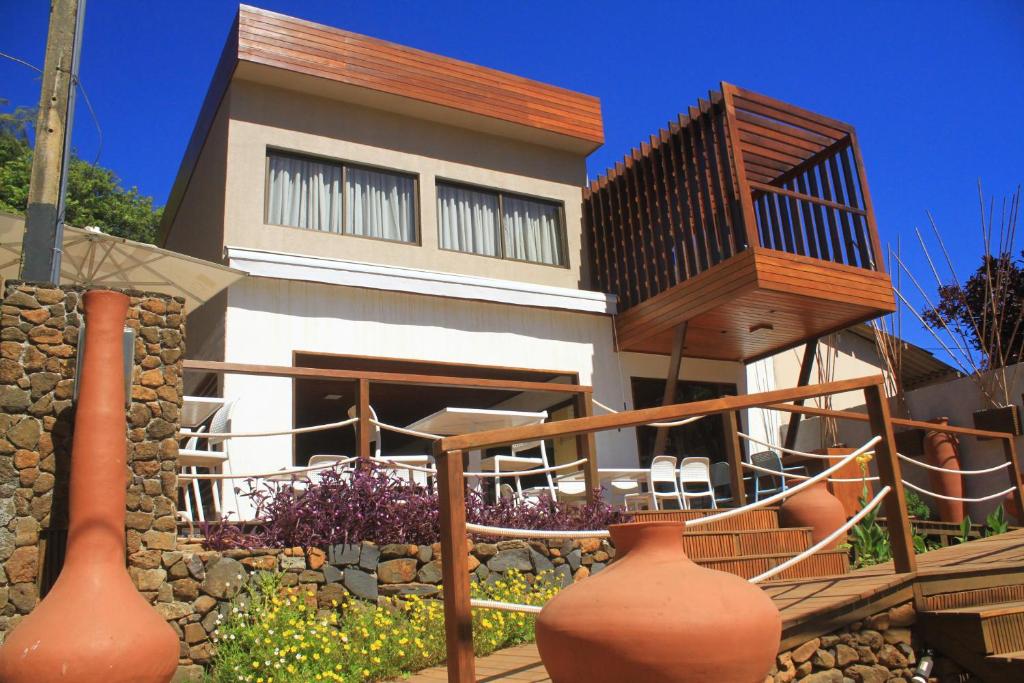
column 814, row 507
column 940, row 450
column 653, row 615
column 94, row 626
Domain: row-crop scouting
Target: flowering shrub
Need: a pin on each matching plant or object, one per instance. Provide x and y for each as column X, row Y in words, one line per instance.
column 276, row 634
column 375, row 505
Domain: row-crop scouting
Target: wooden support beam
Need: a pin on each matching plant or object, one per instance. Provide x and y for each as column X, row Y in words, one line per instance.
column 458, row 616
column 810, row 351
column 734, row 455
column 585, row 448
column 365, row 427
column 1010, row 451
column 671, row 381
column 901, row 536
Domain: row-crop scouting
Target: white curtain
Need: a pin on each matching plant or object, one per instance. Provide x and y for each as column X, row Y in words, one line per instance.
column 467, row 220
column 304, row 194
column 380, row 205
column 532, row 231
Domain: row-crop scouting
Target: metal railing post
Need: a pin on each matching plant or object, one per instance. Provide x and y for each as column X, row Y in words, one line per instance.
column 901, row 535
column 458, row 616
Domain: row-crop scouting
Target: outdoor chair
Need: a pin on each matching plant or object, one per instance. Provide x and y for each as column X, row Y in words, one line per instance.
column 721, row 476
column 696, row 471
column 522, row 463
column 413, row 476
column 186, row 478
column 663, row 472
column 764, row 483
column 190, row 458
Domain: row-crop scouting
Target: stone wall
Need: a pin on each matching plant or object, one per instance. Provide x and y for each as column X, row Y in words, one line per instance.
column 879, row 649
column 194, row 587
column 38, row 351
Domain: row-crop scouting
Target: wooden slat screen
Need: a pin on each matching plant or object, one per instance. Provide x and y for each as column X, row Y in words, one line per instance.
column 738, row 169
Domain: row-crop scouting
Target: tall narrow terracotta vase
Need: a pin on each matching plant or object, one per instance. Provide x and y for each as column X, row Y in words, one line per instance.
column 653, row 615
column 940, row 450
column 94, row 626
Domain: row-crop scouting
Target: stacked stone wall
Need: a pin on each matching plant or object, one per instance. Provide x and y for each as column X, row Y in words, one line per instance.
column 38, row 352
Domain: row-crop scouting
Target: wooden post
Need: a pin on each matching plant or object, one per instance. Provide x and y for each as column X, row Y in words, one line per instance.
column 669, row 397
column 1010, row 451
column 901, row 535
column 365, row 426
column 734, row 454
column 585, row 448
column 458, row 617
column 810, row 351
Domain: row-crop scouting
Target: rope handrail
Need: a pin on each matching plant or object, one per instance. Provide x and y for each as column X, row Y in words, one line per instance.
column 828, row 540
column 505, row 606
column 526, row 473
column 788, row 492
column 790, row 451
column 187, row 433
column 388, row 462
column 776, row 473
column 958, row 498
column 267, row 475
column 403, row 430
column 506, row 532
column 943, row 469
column 658, row 425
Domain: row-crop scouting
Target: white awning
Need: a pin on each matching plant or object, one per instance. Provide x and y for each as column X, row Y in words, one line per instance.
column 97, row 259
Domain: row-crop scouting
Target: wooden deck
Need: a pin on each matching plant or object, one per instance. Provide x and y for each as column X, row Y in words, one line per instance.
column 814, row 607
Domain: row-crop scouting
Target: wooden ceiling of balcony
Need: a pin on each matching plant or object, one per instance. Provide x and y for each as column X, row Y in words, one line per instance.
column 352, row 59
column 755, row 304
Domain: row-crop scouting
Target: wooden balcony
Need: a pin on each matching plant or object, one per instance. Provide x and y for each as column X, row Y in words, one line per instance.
column 749, row 220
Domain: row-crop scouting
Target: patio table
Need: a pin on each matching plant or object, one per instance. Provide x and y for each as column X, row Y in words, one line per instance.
column 195, row 410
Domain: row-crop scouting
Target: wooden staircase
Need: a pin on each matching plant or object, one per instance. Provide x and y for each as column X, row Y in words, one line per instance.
column 752, row 543
column 981, row 629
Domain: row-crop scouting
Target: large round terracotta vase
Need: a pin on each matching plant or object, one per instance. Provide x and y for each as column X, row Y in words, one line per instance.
column 653, row 615
column 940, row 450
column 94, row 626
column 817, row 508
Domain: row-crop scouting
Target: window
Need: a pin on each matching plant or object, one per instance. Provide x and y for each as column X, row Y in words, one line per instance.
column 332, row 197
column 509, row 226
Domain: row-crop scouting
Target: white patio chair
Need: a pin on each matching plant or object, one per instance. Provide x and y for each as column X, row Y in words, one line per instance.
column 191, row 457
column 520, row 463
column 663, row 471
column 414, row 476
column 696, row 471
column 187, row 477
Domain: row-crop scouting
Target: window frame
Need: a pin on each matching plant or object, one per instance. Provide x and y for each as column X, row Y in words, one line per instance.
column 345, row 165
column 563, row 237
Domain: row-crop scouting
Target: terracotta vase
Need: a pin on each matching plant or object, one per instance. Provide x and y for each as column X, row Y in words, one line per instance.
column 817, row 508
column 653, row 615
column 94, row 626
column 940, row 450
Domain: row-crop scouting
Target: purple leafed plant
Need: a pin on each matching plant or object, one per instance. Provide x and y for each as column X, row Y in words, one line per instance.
column 375, row 505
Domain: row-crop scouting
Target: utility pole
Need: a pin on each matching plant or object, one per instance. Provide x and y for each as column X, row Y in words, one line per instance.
column 44, row 216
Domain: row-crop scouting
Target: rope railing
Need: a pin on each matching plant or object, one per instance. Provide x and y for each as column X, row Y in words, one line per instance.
column 790, row 451
column 825, row 542
column 505, row 532
column 527, row 473
column 658, row 425
column 943, row 469
column 958, row 498
column 187, row 433
column 267, row 475
column 788, row 475
column 403, row 430
column 788, row 492
column 504, row 606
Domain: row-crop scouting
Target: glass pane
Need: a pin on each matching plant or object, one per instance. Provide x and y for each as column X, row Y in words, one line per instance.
column 303, row 193
column 533, row 231
column 467, row 220
column 379, row 204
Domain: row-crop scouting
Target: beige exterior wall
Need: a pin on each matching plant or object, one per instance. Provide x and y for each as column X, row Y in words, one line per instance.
column 265, row 117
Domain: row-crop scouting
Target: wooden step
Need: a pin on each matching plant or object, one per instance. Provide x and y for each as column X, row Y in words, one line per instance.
column 975, row 597
column 722, row 544
column 960, row 638
column 824, row 563
column 987, row 629
column 751, row 520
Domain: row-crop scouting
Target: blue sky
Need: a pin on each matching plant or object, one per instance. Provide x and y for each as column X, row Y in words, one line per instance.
column 935, row 89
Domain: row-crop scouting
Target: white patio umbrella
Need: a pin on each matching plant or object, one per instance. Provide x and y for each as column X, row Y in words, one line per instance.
column 93, row 258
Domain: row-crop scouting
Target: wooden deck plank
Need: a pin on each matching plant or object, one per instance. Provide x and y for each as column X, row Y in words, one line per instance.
column 806, row 600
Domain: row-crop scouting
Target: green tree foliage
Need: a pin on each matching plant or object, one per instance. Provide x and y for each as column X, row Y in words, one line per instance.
column 95, row 195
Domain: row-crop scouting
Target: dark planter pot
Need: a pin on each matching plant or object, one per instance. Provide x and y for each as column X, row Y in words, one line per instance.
column 1005, row 419
column 910, row 442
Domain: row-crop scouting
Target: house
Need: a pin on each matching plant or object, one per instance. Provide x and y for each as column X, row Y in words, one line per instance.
column 402, row 212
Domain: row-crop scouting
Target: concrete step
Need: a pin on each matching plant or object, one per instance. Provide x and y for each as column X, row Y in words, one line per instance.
column 722, row 544
column 824, row 563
